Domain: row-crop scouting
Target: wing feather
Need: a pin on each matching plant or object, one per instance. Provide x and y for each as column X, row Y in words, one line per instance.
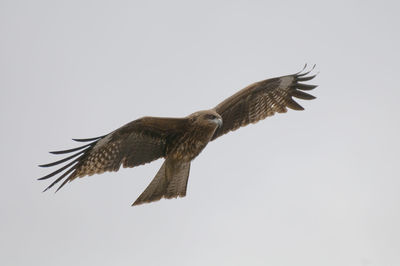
column 262, row 99
column 136, row 143
column 70, row 150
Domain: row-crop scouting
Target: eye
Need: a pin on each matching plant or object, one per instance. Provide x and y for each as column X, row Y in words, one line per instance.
column 210, row 116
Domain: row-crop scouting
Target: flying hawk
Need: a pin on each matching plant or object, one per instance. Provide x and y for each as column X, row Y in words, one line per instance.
column 179, row 140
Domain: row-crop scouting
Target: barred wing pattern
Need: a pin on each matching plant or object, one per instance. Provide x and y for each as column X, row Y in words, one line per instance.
column 136, row 143
column 262, row 99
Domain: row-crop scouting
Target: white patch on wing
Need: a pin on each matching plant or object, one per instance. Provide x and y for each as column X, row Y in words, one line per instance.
column 286, row 82
column 102, row 142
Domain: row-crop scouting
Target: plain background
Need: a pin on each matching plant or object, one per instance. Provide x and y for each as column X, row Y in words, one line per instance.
column 318, row 187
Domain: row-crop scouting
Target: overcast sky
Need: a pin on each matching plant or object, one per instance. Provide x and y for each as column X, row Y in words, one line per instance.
column 318, row 187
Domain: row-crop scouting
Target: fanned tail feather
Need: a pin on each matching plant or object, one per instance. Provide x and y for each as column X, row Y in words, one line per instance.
column 169, row 182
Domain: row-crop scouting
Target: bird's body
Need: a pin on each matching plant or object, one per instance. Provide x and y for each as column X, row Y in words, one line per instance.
column 178, row 140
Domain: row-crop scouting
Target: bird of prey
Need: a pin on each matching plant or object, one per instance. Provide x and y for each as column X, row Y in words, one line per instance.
column 179, row 140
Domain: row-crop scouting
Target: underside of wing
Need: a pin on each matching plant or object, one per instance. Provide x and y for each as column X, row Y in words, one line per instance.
column 262, row 99
column 136, row 143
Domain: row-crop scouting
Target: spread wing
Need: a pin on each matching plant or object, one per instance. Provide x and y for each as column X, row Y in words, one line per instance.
column 262, row 99
column 138, row 142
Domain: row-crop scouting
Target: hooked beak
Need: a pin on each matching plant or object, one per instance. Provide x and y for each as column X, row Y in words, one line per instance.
column 218, row 121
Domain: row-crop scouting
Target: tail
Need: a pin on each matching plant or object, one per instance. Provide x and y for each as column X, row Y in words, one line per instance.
column 170, row 182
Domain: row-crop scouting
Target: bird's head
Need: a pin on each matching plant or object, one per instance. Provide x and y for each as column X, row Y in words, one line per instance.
column 207, row 118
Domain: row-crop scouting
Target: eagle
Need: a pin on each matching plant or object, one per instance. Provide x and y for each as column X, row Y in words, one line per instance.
column 178, row 140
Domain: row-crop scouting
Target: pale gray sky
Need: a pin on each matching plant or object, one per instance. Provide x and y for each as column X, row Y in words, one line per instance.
column 318, row 187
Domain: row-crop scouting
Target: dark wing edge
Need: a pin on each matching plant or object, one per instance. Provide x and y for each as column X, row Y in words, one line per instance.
column 262, row 99
column 71, row 167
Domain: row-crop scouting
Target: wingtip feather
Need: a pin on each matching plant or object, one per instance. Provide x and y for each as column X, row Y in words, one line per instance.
column 62, row 160
column 302, row 95
column 306, row 78
column 300, row 74
column 70, row 150
column 305, row 87
column 89, row 139
column 292, row 104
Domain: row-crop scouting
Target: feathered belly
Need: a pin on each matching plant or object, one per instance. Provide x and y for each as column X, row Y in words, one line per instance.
column 187, row 150
column 188, row 146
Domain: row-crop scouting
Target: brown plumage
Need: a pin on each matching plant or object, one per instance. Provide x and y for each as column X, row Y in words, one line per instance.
column 179, row 140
